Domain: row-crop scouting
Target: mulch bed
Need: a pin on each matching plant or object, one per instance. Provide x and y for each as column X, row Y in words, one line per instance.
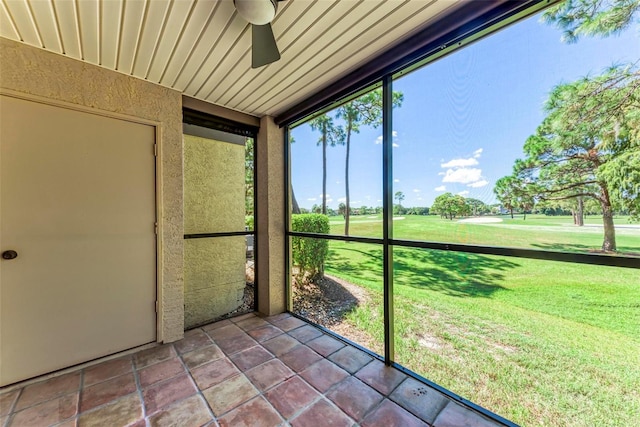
column 327, row 301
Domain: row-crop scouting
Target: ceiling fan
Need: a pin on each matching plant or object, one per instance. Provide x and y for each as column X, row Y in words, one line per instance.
column 260, row 13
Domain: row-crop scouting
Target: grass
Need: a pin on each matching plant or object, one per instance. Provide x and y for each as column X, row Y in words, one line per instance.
column 539, row 342
column 536, row 232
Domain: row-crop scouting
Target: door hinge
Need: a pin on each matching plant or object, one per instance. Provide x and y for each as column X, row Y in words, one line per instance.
column 156, row 306
column 155, row 150
column 155, row 228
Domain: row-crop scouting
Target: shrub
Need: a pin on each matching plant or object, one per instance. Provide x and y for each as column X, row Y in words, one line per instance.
column 309, row 254
column 248, row 222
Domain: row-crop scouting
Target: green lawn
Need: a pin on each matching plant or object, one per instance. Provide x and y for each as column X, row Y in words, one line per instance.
column 537, row 231
column 541, row 343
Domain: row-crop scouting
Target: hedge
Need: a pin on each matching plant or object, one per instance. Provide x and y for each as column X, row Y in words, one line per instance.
column 309, row 254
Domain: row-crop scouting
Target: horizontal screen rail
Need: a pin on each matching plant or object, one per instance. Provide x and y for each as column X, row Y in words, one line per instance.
column 574, row 257
column 581, row 258
column 373, row 240
column 222, row 234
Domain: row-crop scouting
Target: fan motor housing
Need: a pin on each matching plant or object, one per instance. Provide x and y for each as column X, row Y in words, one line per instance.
column 257, row 12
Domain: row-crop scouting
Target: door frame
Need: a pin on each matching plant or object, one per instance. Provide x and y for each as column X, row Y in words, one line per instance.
column 158, row 181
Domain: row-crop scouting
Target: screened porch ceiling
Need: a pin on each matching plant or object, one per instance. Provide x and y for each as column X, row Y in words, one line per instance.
column 202, row 47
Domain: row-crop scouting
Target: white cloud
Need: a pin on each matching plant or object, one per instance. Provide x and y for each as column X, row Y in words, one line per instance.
column 460, row 171
column 463, row 193
column 462, row 175
column 394, row 133
column 419, row 198
column 459, row 163
column 478, row 184
column 312, row 199
column 394, row 145
column 342, row 199
column 396, row 180
column 415, row 190
column 320, row 196
column 441, row 188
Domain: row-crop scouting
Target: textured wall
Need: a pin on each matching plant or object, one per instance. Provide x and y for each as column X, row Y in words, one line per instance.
column 44, row 74
column 214, row 268
column 270, row 256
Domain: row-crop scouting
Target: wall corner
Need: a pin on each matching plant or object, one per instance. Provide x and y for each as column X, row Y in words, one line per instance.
column 270, row 218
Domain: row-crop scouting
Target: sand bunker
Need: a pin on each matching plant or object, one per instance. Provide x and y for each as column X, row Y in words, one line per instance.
column 481, row 220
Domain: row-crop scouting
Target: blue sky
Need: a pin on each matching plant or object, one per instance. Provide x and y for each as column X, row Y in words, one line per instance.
column 463, row 121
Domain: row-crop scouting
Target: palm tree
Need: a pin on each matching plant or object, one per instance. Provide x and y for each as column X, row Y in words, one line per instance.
column 366, row 110
column 330, row 135
column 295, row 208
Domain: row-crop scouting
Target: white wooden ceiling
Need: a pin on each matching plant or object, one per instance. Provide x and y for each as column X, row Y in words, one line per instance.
column 202, row 47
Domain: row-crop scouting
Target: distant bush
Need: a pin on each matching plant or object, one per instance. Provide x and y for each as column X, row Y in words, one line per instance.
column 309, row 254
column 248, row 222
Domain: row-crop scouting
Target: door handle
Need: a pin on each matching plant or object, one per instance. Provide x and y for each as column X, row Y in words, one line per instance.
column 10, row 254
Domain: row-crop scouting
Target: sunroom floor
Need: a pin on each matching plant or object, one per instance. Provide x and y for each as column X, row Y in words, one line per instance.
column 246, row 371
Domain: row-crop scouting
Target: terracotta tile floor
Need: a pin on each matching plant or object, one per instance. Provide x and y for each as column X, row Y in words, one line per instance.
column 246, row 371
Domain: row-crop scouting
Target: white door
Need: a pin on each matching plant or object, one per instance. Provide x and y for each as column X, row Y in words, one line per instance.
column 77, row 205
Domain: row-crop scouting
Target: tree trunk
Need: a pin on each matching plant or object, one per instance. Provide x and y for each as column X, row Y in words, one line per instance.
column 346, row 183
column 579, row 220
column 609, row 243
column 511, row 213
column 324, row 169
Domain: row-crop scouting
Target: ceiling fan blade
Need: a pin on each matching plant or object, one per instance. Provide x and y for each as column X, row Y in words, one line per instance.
column 263, row 46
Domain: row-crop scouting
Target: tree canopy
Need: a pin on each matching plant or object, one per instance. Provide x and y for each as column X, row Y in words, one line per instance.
column 449, row 206
column 592, row 17
column 591, row 134
column 513, row 193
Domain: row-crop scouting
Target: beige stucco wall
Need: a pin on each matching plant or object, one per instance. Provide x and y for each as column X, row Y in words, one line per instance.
column 38, row 73
column 214, row 268
column 270, row 242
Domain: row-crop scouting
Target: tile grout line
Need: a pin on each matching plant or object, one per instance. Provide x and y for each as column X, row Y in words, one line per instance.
column 136, row 378
column 261, row 393
column 374, row 407
column 335, row 386
column 384, row 396
column 296, row 374
column 107, row 403
column 11, row 412
column 14, row 405
column 193, row 381
column 80, row 393
column 241, row 372
column 321, row 395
